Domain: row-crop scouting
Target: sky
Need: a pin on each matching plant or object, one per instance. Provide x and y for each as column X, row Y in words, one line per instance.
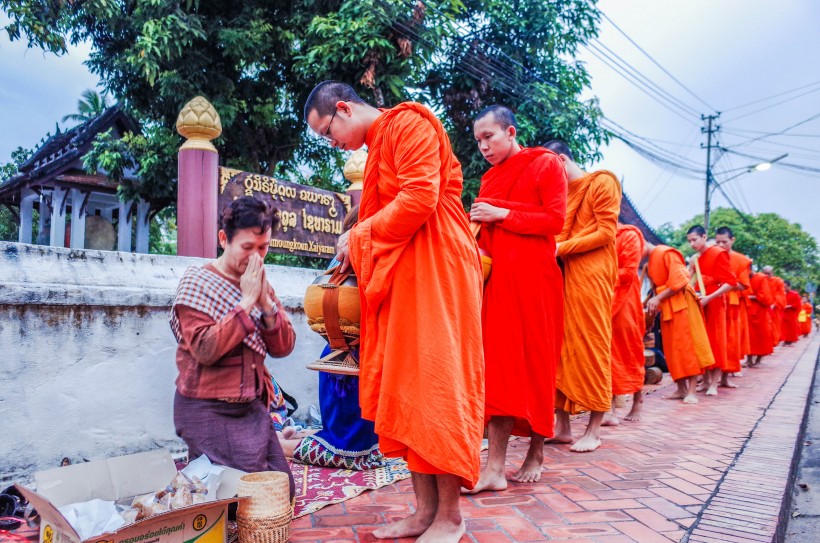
column 726, row 52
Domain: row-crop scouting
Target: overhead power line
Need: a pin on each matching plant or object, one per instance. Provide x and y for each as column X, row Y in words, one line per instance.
column 770, row 106
column 778, row 95
column 772, row 134
column 656, row 63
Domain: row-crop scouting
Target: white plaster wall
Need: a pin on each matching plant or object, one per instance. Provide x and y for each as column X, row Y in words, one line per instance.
column 87, row 357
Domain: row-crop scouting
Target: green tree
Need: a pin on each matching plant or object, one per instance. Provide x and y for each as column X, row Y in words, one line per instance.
column 256, row 60
column 768, row 239
column 91, row 105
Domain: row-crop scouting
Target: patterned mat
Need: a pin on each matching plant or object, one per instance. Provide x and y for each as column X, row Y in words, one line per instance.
column 319, row 487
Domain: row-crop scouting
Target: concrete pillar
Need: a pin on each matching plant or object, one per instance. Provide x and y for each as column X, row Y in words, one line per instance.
column 107, row 213
column 198, row 179
column 58, row 200
column 124, row 229
column 143, row 208
column 78, row 199
column 26, row 213
column 44, row 221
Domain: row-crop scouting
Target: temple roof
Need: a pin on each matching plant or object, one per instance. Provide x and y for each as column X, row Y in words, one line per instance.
column 630, row 215
column 63, row 152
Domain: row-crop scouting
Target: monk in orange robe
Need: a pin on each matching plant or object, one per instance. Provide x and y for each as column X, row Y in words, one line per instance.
column 628, row 324
column 586, row 246
column 779, row 294
column 521, row 206
column 735, row 305
column 794, row 304
column 805, row 317
column 417, row 263
column 685, row 342
column 714, row 278
column 760, row 319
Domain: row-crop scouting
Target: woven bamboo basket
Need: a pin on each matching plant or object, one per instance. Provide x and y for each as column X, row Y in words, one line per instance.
column 266, row 516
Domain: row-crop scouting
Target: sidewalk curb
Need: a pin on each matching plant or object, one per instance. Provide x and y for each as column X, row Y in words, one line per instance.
column 758, row 482
column 788, row 496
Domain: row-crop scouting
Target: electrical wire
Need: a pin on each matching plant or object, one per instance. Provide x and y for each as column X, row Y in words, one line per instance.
column 656, row 63
column 772, row 105
column 778, row 95
column 636, row 83
column 781, row 132
column 597, row 44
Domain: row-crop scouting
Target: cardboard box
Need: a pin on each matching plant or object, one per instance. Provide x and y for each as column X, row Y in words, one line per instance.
column 124, row 477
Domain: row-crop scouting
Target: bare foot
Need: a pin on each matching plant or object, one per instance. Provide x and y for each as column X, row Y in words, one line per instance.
column 610, row 420
column 690, row 399
column 442, row 531
column 411, row 526
column 712, row 391
column 488, row 481
column 530, row 470
column 679, row 395
column 728, row 384
column 635, row 413
column 564, row 438
column 587, row 443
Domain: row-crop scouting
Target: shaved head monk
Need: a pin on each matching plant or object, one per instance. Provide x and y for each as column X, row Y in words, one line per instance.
column 760, row 318
column 586, row 246
column 628, row 324
column 521, row 206
column 714, row 278
column 737, row 344
column 685, row 342
column 794, row 304
column 421, row 360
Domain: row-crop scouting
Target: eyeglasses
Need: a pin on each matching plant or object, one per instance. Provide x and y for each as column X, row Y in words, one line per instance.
column 327, row 135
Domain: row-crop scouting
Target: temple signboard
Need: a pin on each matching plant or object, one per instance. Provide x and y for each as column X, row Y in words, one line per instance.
column 310, row 219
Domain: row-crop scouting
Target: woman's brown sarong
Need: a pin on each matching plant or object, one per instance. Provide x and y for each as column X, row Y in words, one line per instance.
column 238, row 435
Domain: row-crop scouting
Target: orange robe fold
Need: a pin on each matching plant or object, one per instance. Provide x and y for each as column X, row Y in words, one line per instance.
column 523, row 310
column 779, row 302
column 421, row 361
column 716, row 271
column 805, row 323
column 587, row 249
column 628, row 323
column 760, row 316
column 791, row 328
column 737, row 340
column 685, row 342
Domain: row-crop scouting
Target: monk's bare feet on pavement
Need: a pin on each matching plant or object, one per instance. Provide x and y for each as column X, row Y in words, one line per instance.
column 530, row 470
column 563, row 431
column 726, row 383
column 690, row 399
column 712, row 390
column 678, row 395
column 412, row 526
column 443, row 531
column 634, row 414
column 587, row 443
column 488, row 481
column 610, row 420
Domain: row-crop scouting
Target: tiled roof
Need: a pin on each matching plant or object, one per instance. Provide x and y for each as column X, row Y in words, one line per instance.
column 630, row 215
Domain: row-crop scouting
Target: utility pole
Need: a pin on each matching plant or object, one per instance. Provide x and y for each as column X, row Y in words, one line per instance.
column 710, row 129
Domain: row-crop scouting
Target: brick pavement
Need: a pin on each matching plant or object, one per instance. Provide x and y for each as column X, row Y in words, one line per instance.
column 712, row 472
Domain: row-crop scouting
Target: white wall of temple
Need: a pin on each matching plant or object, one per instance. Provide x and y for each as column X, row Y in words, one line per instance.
column 87, row 356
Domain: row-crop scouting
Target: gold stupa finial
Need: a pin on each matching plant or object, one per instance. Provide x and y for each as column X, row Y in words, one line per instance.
column 199, row 123
column 354, row 169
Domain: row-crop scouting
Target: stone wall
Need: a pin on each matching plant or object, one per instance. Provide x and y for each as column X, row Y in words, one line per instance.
column 87, row 357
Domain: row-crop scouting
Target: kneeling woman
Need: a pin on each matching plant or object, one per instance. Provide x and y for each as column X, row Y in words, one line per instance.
column 227, row 319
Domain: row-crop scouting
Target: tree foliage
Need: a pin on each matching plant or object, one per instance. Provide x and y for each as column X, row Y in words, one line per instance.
column 768, row 239
column 256, row 61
